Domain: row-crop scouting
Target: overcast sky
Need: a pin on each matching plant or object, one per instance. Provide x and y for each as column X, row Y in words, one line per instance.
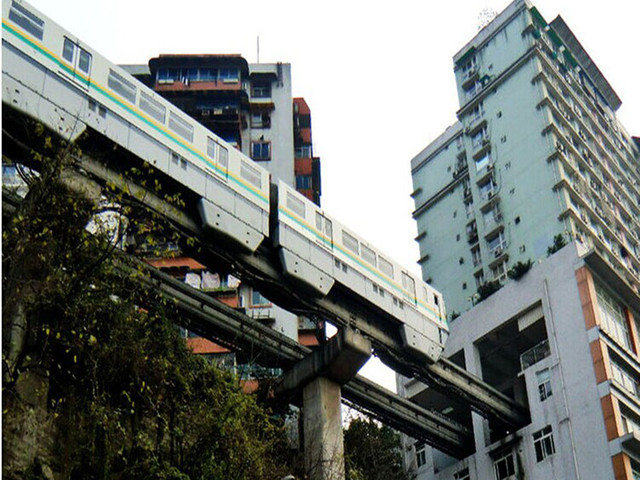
column 378, row 76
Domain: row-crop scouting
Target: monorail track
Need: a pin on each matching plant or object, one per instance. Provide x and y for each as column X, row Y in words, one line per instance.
column 261, row 270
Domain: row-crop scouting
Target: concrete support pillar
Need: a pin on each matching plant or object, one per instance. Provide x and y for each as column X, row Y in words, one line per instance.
column 319, row 377
column 323, row 441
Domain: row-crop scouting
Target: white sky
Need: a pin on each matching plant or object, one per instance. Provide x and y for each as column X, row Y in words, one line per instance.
column 378, row 77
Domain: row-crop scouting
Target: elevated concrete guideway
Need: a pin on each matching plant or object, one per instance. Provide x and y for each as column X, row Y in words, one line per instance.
column 261, row 270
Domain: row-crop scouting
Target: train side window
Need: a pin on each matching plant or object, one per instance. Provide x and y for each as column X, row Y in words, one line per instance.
column 385, row 267
column 251, row 174
column 295, row 205
column 30, row 22
column 369, row 255
column 121, row 85
column 211, row 148
column 224, row 157
column 68, row 49
column 152, row 107
column 323, row 225
column 409, row 284
column 328, row 228
column 180, row 126
column 350, row 242
column 84, row 62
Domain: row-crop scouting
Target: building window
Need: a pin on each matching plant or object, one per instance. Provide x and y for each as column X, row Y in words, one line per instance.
column 421, row 454
column 303, row 182
column 491, row 218
column 462, row 475
column 625, row 379
column 487, row 189
column 470, row 66
column 476, row 258
column 483, row 161
column 504, row 466
column 261, row 151
column 499, row 272
column 261, row 120
column 303, row 151
column 544, row 384
column 543, row 443
column 229, row 75
column 261, row 90
column 496, row 244
column 479, row 276
column 613, row 317
column 480, row 138
column 476, row 112
column 258, row 300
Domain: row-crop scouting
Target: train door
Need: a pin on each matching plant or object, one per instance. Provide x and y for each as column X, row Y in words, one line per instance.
column 78, row 62
column 223, row 160
column 325, row 230
column 409, row 284
column 220, row 155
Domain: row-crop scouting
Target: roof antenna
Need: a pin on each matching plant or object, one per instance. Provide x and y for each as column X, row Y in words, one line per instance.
column 258, row 47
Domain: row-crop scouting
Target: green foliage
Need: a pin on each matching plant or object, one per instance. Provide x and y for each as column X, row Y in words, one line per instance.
column 372, row 452
column 122, row 395
column 487, row 289
column 558, row 242
column 519, row 269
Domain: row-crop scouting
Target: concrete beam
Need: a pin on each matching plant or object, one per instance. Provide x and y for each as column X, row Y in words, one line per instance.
column 338, row 360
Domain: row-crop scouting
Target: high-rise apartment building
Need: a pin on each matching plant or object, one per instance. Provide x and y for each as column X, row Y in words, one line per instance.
column 563, row 340
column 536, row 152
column 252, row 108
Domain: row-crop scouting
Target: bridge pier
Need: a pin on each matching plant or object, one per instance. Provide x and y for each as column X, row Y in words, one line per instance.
column 321, row 375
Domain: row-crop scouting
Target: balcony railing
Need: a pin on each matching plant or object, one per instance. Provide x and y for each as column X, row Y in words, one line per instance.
column 535, row 354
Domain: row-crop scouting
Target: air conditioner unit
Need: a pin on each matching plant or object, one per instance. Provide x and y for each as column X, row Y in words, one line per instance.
column 497, row 252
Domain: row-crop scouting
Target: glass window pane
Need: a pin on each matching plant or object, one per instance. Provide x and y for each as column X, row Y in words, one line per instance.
column 84, row 63
column 67, row 50
column 350, row 242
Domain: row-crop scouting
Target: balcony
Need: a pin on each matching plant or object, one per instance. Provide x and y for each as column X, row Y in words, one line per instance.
column 535, row 354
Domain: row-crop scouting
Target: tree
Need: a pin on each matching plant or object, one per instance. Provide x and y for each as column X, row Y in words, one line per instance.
column 372, row 452
column 97, row 381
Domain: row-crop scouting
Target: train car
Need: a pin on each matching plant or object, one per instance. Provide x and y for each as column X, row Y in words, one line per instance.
column 318, row 252
column 51, row 75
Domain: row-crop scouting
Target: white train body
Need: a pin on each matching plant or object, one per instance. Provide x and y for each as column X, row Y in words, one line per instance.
column 53, row 77
column 318, row 251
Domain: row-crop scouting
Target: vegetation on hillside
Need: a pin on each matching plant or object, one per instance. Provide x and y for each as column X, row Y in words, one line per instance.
column 97, row 382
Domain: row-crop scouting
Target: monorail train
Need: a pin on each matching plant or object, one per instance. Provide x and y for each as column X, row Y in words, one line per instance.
column 53, row 77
